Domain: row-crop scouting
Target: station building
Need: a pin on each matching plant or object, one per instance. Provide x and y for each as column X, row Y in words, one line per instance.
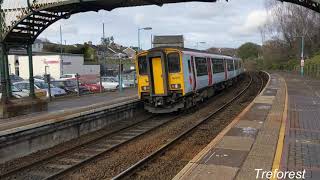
column 51, row 63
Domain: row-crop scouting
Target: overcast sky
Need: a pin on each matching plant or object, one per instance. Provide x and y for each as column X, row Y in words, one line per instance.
column 221, row 24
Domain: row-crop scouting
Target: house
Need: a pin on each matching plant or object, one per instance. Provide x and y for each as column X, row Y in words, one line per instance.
column 168, row 40
column 37, row 46
column 130, row 52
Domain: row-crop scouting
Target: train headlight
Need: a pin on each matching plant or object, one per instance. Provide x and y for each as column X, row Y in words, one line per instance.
column 175, row 86
column 145, row 88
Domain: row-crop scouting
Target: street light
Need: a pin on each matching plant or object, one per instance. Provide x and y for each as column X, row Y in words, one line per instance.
column 139, row 29
column 202, row 42
column 302, row 55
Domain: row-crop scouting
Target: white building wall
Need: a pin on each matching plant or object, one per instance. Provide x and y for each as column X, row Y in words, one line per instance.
column 75, row 64
column 71, row 64
column 40, row 62
column 11, row 61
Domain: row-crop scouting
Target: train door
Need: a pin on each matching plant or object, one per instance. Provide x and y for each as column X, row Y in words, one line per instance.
column 209, row 72
column 158, row 83
column 194, row 85
column 157, row 74
column 225, row 69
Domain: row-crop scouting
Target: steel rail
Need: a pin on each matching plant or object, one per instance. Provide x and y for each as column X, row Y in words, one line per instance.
column 10, row 173
column 140, row 163
column 93, row 157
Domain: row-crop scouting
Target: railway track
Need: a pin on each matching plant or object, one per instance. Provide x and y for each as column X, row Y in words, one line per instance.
column 69, row 161
column 63, row 162
column 135, row 167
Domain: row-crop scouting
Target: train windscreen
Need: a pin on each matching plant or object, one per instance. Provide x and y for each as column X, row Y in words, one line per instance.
column 142, row 65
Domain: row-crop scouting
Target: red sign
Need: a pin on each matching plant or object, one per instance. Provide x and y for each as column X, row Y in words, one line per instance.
column 51, row 62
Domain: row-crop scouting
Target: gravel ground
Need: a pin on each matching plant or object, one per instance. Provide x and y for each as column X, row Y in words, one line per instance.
column 174, row 159
column 40, row 155
column 118, row 160
column 114, row 162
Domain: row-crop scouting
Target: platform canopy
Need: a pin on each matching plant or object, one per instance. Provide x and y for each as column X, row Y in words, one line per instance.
column 22, row 21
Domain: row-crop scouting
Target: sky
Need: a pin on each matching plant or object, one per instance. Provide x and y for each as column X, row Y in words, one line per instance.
column 220, row 24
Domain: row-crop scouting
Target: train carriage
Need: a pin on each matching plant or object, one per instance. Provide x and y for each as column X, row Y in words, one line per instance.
column 172, row 78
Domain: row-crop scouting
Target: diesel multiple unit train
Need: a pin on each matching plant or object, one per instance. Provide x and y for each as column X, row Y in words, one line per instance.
column 172, row 78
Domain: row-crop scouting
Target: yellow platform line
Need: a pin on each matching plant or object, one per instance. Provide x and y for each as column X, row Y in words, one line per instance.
column 277, row 158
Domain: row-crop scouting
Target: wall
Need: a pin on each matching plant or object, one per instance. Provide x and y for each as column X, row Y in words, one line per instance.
column 75, row 64
column 71, row 64
column 25, row 142
column 39, row 65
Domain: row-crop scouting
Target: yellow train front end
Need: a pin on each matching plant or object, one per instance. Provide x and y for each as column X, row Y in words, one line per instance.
column 160, row 79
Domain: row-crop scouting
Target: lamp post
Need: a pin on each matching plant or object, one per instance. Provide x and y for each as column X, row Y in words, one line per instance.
column 202, row 42
column 302, row 55
column 139, row 29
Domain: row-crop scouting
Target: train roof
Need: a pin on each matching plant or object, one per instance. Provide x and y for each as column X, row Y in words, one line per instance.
column 192, row 50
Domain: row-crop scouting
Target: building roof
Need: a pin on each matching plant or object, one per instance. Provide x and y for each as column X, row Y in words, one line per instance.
column 168, row 39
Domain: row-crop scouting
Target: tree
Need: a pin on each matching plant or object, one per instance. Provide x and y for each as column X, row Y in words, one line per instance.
column 289, row 22
column 249, row 51
column 89, row 53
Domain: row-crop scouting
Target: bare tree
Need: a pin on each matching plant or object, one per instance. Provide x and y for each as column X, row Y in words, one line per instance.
column 289, row 22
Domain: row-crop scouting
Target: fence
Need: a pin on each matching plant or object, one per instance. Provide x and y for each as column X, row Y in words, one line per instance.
column 312, row 70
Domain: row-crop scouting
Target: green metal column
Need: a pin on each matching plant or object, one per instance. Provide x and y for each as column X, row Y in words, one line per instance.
column 4, row 97
column 31, row 79
column 7, row 75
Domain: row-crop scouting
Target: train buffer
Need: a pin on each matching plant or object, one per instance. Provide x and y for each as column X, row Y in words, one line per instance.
column 275, row 137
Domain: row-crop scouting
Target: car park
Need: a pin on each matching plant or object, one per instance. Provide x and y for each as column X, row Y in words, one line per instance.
column 70, row 86
column 41, row 85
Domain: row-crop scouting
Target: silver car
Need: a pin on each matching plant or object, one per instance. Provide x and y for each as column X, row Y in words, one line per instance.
column 24, row 86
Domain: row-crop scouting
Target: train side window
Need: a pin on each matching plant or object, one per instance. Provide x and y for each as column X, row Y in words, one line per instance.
column 202, row 66
column 174, row 62
column 230, row 65
column 142, row 64
column 218, row 66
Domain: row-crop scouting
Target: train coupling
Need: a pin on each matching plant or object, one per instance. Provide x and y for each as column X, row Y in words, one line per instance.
column 158, row 101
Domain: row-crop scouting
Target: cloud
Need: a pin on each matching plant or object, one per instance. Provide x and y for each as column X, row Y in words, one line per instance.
column 226, row 24
column 254, row 21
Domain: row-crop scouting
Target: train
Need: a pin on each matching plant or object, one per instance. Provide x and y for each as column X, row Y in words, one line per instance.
column 174, row 78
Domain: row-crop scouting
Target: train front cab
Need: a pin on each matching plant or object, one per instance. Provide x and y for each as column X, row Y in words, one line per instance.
column 160, row 80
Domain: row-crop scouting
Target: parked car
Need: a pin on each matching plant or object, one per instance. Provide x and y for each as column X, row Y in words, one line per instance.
column 38, row 77
column 16, row 92
column 68, row 76
column 70, row 86
column 109, row 83
column 21, row 89
column 15, row 78
column 40, row 85
column 93, row 87
column 128, row 81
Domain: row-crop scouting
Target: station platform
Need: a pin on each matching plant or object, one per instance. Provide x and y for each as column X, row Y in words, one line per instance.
column 278, row 133
column 62, row 107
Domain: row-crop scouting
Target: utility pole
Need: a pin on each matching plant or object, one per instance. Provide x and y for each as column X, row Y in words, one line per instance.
column 104, row 51
column 302, row 56
column 151, row 41
column 61, row 51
